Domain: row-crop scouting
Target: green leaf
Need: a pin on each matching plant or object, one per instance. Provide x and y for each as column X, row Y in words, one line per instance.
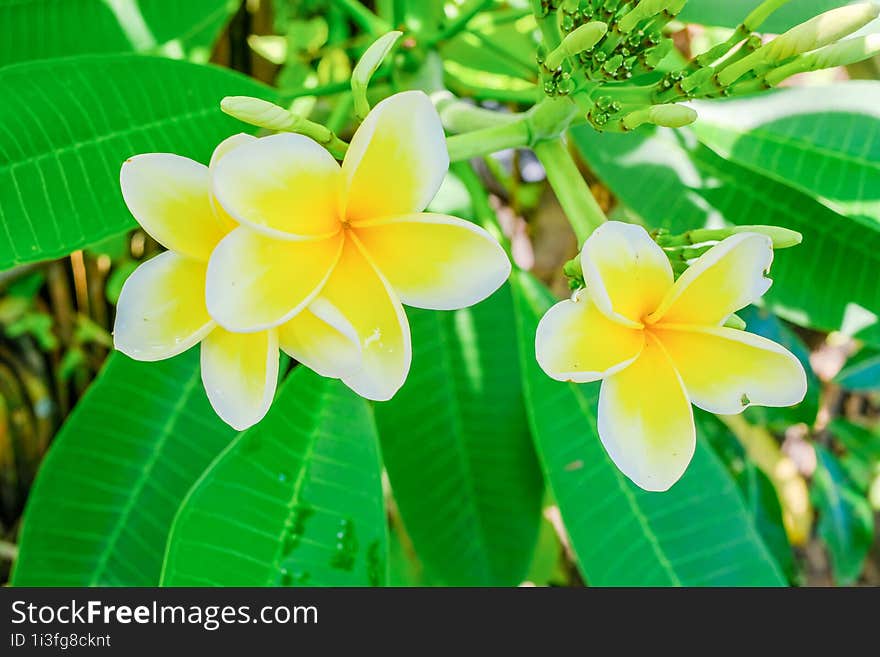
column 823, row 141
column 697, row 534
column 760, row 497
column 861, row 372
column 75, row 27
column 295, row 500
column 457, row 448
column 846, row 522
column 731, row 13
column 68, row 124
column 102, row 505
column 674, row 182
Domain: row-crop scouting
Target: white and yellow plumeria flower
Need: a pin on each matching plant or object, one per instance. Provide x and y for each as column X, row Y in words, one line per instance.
column 162, row 312
column 660, row 345
column 328, row 252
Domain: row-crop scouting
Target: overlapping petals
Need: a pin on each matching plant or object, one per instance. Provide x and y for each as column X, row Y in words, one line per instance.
column 162, row 309
column 659, row 345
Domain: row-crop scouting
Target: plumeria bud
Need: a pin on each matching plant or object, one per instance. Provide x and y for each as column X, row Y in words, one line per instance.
column 270, row 116
column 366, row 67
column 647, row 9
column 816, row 33
column 821, row 31
column 782, row 238
column 735, row 322
column 581, row 39
column 843, row 53
column 667, row 116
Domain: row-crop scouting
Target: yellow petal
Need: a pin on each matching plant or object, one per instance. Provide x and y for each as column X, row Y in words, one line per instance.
column 626, row 272
column 729, row 276
column 366, row 299
column 256, row 282
column 161, row 310
column 397, row 159
column 725, row 370
column 576, row 342
column 322, row 339
column 646, row 422
column 170, row 196
column 283, row 185
column 223, row 148
column 240, row 373
column 436, row 261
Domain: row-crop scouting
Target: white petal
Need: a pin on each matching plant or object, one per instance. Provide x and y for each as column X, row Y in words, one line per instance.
column 725, row 370
column 285, row 186
column 322, row 339
column 240, row 374
column 729, row 276
column 256, row 282
column 397, row 159
column 646, row 422
column 436, row 261
column 577, row 342
column 367, row 301
column 170, row 196
column 161, row 310
column 626, row 272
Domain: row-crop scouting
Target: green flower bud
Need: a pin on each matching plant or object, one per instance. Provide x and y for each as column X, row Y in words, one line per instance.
column 821, row 31
column 366, row 67
column 581, row 39
column 843, row 53
column 260, row 113
column 667, row 116
column 264, row 114
column 815, row 33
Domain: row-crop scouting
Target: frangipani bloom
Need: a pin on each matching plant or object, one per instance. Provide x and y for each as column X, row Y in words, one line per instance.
column 660, row 345
column 162, row 311
column 328, row 253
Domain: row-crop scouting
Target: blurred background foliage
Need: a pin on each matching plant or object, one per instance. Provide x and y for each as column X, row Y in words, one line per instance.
column 468, row 504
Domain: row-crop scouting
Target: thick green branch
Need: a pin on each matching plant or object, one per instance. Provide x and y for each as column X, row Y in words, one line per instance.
column 572, row 191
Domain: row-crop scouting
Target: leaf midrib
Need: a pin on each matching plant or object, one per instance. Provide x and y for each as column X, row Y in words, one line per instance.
column 165, row 433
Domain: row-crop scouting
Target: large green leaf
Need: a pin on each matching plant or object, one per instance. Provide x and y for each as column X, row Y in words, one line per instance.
column 67, row 125
column 456, row 446
column 697, row 534
column 731, row 13
column 295, row 500
column 672, row 181
column 824, row 141
column 861, row 372
column 846, row 521
column 102, row 505
column 42, row 29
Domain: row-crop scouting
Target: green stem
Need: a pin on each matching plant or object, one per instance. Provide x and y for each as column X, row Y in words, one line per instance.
column 459, row 117
column 461, row 21
column 514, row 134
column 366, row 19
column 572, row 191
column 550, row 33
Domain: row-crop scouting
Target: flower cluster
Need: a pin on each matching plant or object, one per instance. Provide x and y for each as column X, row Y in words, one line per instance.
column 610, row 51
column 274, row 245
